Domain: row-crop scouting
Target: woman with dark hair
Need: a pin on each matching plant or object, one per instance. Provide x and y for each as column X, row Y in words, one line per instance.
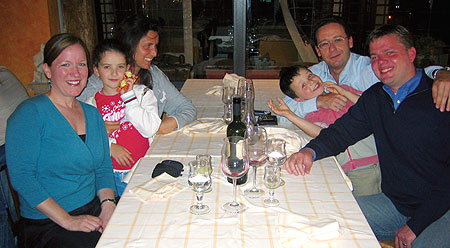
column 65, row 182
column 140, row 36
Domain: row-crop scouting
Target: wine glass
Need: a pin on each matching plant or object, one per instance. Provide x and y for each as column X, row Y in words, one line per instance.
column 207, row 160
column 227, row 99
column 276, row 153
column 257, row 155
column 272, row 179
column 199, row 180
column 234, row 164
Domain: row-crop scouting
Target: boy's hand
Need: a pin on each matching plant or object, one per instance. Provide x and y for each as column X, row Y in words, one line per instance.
column 334, row 88
column 121, row 155
column 282, row 109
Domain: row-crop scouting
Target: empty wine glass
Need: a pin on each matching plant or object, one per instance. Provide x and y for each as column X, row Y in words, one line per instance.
column 272, row 180
column 276, row 153
column 234, row 164
column 257, row 155
column 227, row 99
column 207, row 160
column 199, row 180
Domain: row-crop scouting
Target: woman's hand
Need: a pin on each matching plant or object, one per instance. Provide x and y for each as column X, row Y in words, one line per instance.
column 107, row 211
column 121, row 155
column 111, row 126
column 281, row 109
column 130, row 82
column 83, row 223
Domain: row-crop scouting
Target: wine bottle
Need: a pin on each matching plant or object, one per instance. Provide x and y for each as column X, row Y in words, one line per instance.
column 237, row 128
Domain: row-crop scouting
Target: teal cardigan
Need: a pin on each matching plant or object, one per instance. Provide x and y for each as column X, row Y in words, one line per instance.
column 46, row 157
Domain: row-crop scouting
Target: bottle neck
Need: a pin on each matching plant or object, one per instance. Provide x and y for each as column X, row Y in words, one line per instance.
column 236, row 109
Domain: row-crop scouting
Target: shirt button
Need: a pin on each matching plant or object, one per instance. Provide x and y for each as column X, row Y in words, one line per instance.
column 398, row 101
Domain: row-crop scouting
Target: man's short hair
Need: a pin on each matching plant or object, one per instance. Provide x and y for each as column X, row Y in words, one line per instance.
column 401, row 32
column 286, row 76
column 328, row 20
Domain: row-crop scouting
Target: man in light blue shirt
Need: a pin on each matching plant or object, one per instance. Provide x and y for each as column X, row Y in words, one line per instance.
column 341, row 66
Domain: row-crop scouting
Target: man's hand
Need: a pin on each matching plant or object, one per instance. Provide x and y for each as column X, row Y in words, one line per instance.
column 121, row 155
column 111, row 126
column 441, row 90
column 300, row 162
column 331, row 101
column 404, row 237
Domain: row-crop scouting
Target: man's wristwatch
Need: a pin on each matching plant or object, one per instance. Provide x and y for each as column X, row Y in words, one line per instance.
column 435, row 72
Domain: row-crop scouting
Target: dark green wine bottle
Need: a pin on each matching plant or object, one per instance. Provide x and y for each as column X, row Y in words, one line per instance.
column 237, row 128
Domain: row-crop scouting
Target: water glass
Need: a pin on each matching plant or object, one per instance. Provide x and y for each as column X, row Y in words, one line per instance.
column 199, row 180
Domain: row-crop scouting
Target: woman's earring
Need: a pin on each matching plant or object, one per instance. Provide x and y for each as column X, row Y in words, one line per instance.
column 49, row 83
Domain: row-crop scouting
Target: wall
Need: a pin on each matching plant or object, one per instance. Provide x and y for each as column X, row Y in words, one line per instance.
column 24, row 26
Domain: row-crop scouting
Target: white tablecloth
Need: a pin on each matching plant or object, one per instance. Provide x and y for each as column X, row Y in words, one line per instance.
column 321, row 194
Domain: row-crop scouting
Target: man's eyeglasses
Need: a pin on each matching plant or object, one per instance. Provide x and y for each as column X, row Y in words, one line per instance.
column 338, row 41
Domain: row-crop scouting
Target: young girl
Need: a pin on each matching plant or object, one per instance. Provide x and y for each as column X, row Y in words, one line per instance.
column 134, row 107
column 359, row 161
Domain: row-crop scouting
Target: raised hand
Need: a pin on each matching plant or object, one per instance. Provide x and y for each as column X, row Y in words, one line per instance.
column 282, row 109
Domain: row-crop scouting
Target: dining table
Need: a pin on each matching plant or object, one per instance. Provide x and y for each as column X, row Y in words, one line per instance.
column 318, row 203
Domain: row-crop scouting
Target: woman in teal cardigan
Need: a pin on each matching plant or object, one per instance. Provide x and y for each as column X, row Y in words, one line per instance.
column 58, row 156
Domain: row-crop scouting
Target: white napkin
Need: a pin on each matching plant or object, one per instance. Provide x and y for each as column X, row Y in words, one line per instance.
column 205, row 126
column 296, row 230
column 231, row 80
column 294, row 142
column 159, row 188
column 215, row 90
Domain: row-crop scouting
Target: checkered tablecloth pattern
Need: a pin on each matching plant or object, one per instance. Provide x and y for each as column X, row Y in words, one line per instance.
column 322, row 194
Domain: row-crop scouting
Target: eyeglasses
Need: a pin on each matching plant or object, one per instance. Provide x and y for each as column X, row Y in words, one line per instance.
column 338, row 41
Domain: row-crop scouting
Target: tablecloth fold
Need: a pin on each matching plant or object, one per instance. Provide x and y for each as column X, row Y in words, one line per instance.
column 159, row 188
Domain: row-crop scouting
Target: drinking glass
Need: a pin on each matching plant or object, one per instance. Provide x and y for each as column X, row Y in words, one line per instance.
column 199, row 180
column 257, row 155
column 207, row 160
column 272, row 179
column 234, row 164
column 276, row 153
column 227, row 99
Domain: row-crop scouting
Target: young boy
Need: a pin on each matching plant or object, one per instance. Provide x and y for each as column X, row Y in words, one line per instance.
column 360, row 161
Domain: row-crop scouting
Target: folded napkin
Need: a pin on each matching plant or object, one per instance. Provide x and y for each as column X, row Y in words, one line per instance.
column 231, row 80
column 215, row 90
column 205, row 126
column 293, row 140
column 159, row 188
column 296, row 230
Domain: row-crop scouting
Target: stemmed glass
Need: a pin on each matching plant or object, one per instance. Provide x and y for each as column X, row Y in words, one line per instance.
column 276, row 153
column 199, row 180
column 257, row 155
column 207, row 160
column 227, row 99
column 272, row 179
column 234, row 164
